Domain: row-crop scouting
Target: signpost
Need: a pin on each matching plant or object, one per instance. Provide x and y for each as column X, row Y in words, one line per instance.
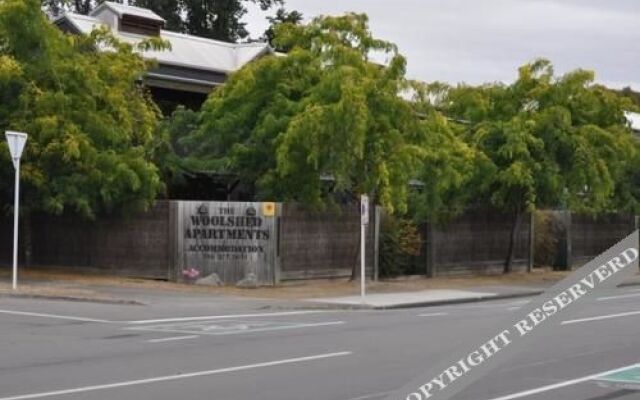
column 16, row 142
column 364, row 221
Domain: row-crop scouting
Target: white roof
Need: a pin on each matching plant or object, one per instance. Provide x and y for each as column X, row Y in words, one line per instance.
column 186, row 50
column 121, row 10
column 634, row 120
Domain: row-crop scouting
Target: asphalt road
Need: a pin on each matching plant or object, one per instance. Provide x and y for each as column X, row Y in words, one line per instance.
column 186, row 347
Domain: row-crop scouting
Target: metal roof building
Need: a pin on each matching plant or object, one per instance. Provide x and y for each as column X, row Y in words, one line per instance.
column 193, row 66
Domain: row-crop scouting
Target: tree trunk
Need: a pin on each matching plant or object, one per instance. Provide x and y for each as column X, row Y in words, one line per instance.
column 27, row 238
column 513, row 239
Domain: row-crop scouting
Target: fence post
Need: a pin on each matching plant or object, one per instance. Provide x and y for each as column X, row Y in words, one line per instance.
column 431, row 251
column 376, row 243
column 569, row 244
column 532, row 243
column 172, row 267
column 277, row 266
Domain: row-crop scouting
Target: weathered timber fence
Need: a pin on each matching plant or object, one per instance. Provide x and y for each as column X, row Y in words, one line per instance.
column 323, row 244
column 190, row 240
column 581, row 237
column 273, row 242
column 138, row 245
column 476, row 242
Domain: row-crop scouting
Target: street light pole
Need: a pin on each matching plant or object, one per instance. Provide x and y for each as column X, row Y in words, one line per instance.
column 16, row 210
column 16, row 142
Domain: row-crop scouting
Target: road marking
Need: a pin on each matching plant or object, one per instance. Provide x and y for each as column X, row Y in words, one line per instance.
column 205, row 318
column 513, row 308
column 624, row 296
column 54, row 316
column 371, row 396
column 560, row 384
column 600, row 318
column 171, row 339
column 188, row 330
column 176, row 377
column 437, row 314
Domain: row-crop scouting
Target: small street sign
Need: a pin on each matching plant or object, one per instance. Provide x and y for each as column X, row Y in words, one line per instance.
column 269, row 209
column 16, row 142
column 364, row 209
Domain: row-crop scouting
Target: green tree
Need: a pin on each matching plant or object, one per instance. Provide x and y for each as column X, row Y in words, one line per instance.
column 453, row 173
column 325, row 121
column 90, row 124
column 220, row 19
column 552, row 141
column 286, row 124
column 78, row 6
column 282, row 17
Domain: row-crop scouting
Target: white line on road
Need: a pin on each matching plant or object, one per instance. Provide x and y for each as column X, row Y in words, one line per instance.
column 560, row 384
column 623, row 296
column 600, row 318
column 205, row 318
column 176, row 377
column 171, row 339
column 378, row 395
column 187, row 329
column 437, row 314
column 54, row 316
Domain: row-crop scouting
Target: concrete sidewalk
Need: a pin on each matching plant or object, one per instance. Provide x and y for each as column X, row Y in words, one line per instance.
column 401, row 293
column 424, row 298
column 439, row 297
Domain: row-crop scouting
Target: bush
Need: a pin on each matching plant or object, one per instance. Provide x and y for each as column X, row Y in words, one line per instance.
column 547, row 236
column 400, row 244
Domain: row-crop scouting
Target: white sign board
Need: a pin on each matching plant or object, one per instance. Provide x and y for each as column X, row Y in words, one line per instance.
column 364, row 209
column 229, row 239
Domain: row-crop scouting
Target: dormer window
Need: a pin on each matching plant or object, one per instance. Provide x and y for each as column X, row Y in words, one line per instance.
column 130, row 19
column 142, row 26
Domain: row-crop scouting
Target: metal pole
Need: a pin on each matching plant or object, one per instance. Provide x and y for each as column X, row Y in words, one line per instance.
column 16, row 207
column 362, row 261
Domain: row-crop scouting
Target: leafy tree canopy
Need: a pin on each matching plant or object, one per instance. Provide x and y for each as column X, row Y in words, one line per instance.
column 89, row 122
column 323, row 117
column 552, row 141
column 282, row 16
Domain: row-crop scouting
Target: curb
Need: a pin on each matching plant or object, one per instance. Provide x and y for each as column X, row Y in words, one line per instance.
column 461, row 301
column 74, row 299
column 629, row 284
column 428, row 303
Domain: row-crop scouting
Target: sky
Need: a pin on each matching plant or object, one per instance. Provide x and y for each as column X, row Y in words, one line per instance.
column 478, row 41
